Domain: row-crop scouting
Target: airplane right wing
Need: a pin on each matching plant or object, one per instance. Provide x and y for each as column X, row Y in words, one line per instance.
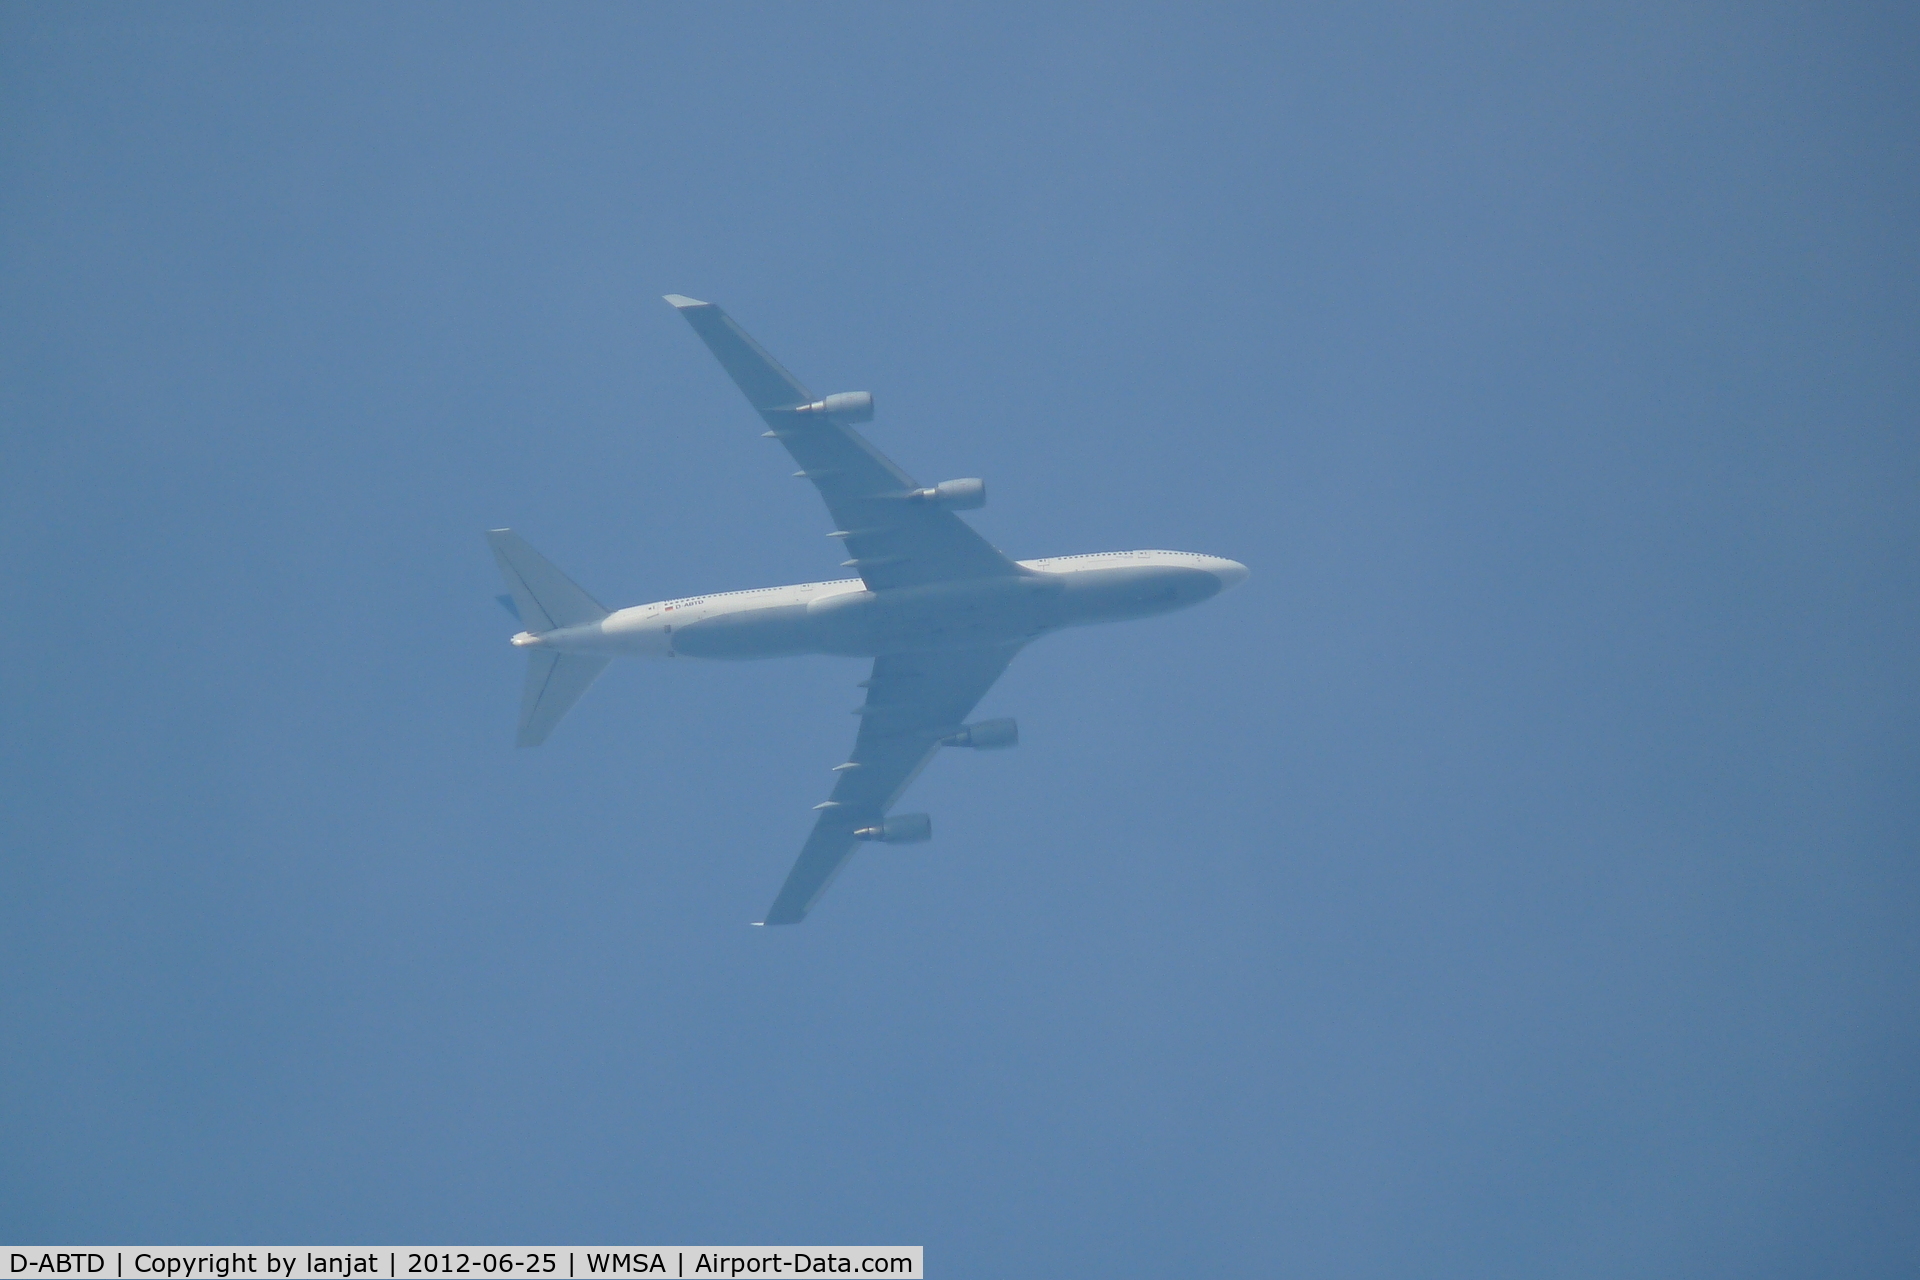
column 914, row 700
column 894, row 542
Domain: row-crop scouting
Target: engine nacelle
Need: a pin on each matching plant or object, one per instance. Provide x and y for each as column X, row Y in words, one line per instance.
column 901, row 828
column 954, row 495
column 987, row 735
column 843, row 406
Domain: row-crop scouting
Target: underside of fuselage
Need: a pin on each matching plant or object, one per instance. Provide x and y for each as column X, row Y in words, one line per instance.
column 845, row 618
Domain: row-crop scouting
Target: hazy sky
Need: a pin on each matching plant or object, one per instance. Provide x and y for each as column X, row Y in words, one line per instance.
column 1515, row 878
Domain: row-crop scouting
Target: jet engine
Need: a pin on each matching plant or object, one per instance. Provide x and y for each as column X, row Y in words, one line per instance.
column 954, row 495
column 843, row 406
column 987, row 735
column 901, row 828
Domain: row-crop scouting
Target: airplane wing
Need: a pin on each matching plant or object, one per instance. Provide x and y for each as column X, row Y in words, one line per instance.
column 892, row 542
column 913, row 701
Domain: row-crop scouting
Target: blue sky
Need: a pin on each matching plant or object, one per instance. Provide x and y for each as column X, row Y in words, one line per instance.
column 1514, row 878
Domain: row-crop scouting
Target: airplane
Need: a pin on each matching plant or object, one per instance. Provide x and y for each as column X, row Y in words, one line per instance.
column 939, row 610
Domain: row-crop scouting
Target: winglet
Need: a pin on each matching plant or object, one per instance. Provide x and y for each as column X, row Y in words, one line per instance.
column 768, row 387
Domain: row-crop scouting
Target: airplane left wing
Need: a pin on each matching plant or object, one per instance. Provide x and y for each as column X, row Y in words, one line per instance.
column 894, row 541
column 914, row 700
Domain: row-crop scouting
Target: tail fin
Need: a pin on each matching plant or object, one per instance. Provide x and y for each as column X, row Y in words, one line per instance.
column 545, row 597
column 555, row 682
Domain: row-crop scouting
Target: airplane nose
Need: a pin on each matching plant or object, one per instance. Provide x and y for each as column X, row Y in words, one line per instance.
column 1230, row 572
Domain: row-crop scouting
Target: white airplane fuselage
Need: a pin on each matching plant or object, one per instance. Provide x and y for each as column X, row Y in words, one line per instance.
column 844, row 617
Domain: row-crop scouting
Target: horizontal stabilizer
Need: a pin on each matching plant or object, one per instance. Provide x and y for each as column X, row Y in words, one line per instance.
column 555, row 682
column 544, row 597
